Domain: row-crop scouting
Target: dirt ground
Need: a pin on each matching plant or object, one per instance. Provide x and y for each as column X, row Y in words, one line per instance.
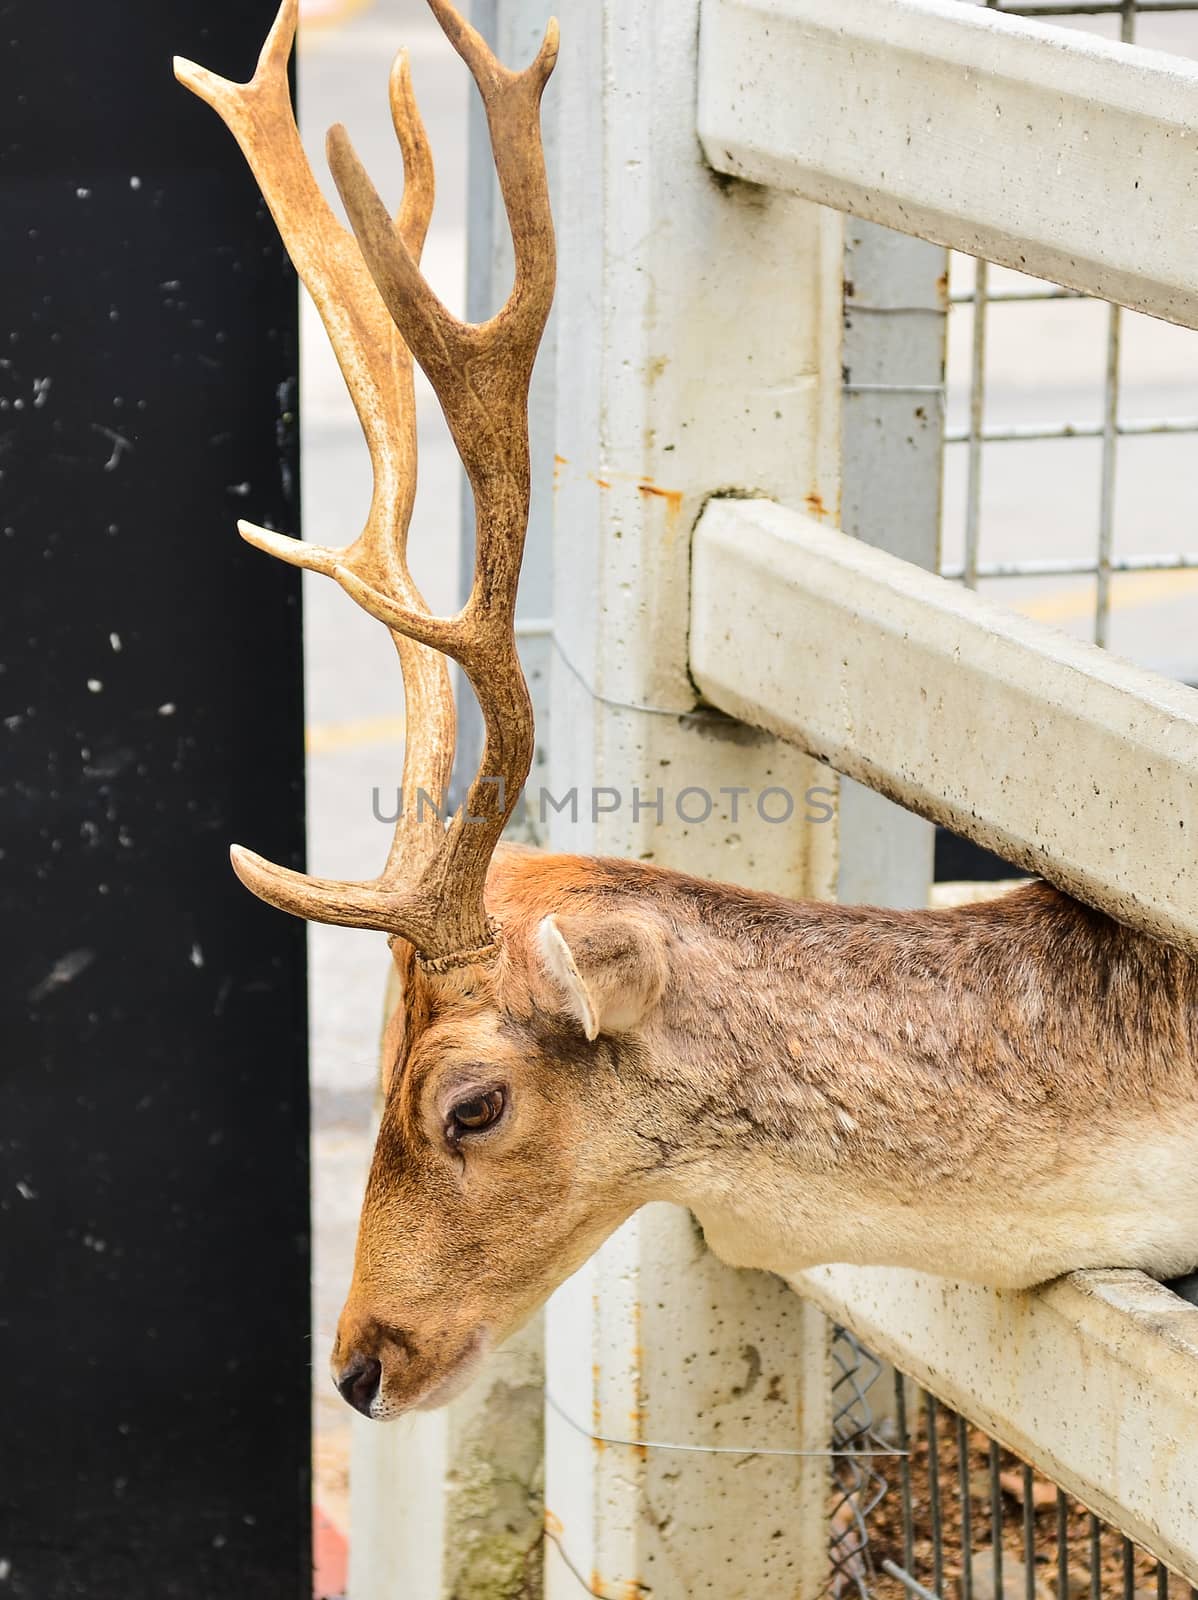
column 886, row 1529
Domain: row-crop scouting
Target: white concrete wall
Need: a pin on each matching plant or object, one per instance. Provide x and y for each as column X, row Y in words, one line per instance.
column 698, row 353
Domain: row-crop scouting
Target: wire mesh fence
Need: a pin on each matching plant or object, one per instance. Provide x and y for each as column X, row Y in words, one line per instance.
column 954, row 1515
column 977, row 290
column 858, row 1486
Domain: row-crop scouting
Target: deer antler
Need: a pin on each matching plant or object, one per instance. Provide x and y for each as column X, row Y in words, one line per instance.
column 431, row 889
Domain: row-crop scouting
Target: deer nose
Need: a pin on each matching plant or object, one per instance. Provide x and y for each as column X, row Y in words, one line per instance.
column 359, row 1381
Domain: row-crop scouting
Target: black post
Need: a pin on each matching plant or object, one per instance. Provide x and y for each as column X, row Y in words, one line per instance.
column 154, row 1434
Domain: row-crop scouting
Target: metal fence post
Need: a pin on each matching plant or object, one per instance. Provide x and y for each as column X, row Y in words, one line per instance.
column 895, row 317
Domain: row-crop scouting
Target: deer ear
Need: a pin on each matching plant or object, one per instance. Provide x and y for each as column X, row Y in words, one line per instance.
column 609, row 971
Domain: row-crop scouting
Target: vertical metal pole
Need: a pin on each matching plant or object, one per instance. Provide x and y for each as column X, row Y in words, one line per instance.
column 1106, row 503
column 1062, row 1543
column 1129, row 1570
column 1110, row 429
column 1029, row 1535
column 966, row 1493
column 996, row 1516
column 931, row 1413
column 904, row 1444
column 895, row 317
column 977, row 417
column 892, row 433
column 1095, row 1558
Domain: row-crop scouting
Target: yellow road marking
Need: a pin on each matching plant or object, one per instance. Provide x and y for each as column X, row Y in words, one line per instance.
column 324, row 14
column 321, row 737
column 1128, row 591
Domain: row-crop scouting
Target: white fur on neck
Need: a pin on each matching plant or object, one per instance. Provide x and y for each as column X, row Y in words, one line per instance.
column 1133, row 1203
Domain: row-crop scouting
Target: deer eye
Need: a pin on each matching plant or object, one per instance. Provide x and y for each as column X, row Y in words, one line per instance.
column 482, row 1111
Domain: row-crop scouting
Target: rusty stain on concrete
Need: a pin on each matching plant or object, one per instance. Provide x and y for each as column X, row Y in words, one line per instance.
column 672, row 497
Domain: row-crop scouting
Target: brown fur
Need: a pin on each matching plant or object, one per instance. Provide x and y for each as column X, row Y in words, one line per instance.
column 800, row 1065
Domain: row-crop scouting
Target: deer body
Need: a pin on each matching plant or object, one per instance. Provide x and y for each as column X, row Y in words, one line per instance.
column 1000, row 1092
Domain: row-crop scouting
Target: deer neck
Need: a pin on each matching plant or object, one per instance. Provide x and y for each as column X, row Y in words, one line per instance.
column 1002, row 1092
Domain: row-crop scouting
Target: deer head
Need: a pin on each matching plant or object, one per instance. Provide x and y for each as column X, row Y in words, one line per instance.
column 502, row 1159
column 467, row 1223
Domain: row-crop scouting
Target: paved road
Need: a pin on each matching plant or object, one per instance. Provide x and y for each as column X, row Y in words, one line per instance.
column 1046, row 362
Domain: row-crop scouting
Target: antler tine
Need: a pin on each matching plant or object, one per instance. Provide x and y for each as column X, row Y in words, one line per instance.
column 450, row 350
column 481, row 375
column 377, row 369
column 419, row 184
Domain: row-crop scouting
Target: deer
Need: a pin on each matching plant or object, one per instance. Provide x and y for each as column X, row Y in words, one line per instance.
column 1000, row 1092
